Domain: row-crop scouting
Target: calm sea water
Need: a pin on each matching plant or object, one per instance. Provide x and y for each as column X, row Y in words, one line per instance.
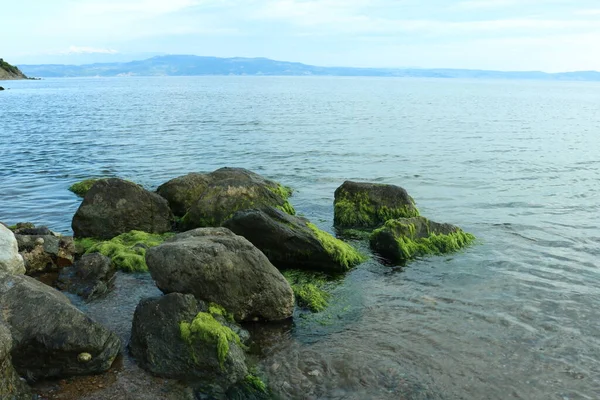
column 516, row 163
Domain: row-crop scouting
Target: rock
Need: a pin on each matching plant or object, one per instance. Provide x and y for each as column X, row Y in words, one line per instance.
column 231, row 190
column 368, row 205
column 44, row 250
column 50, row 334
column 184, row 191
column 218, row 266
column 174, row 336
column 91, row 276
column 402, row 239
column 293, row 242
column 10, row 259
column 114, row 206
column 11, row 385
column 1, row 88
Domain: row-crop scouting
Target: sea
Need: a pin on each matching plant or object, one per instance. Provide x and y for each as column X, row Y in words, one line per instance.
column 516, row 163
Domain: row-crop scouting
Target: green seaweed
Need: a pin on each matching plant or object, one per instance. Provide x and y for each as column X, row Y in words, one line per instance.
column 82, row 187
column 309, row 289
column 127, row 251
column 256, row 383
column 341, row 252
column 284, row 192
column 207, row 329
column 216, row 309
column 357, row 210
column 409, row 246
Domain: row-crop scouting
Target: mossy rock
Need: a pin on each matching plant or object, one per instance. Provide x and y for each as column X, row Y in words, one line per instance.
column 82, row 187
column 231, row 190
column 403, row 239
column 114, row 206
column 293, row 242
column 182, row 192
column 176, row 336
column 127, row 251
column 369, row 205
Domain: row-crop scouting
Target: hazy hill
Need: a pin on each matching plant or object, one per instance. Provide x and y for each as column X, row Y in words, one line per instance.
column 185, row 65
column 10, row 72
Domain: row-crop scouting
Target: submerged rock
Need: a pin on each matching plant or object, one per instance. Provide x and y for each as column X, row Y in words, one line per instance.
column 177, row 336
column 11, row 385
column 10, row 259
column 402, row 239
column 293, row 242
column 182, row 192
column 50, row 334
column 91, row 276
column 218, row 266
column 230, row 190
column 368, row 205
column 114, row 206
column 42, row 249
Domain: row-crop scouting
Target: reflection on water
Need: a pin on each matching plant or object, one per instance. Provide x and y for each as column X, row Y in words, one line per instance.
column 515, row 163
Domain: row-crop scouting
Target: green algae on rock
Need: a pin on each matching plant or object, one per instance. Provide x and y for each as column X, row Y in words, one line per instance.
column 206, row 328
column 368, row 205
column 344, row 254
column 309, row 289
column 127, row 251
column 82, row 187
column 403, row 239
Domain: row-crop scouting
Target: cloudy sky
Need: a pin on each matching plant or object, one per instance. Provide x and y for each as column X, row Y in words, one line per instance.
column 548, row 35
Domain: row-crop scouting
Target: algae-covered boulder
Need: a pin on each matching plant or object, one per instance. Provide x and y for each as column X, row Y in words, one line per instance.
column 10, row 259
column 51, row 337
column 91, row 276
column 114, row 206
column 182, row 192
column 293, row 242
column 402, row 239
column 177, row 336
column 218, row 266
column 126, row 251
column 368, row 205
column 11, row 386
column 231, row 190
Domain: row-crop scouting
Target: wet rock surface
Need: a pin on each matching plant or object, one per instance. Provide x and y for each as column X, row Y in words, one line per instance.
column 90, row 277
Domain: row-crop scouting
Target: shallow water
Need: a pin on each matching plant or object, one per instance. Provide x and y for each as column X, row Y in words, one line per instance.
column 514, row 162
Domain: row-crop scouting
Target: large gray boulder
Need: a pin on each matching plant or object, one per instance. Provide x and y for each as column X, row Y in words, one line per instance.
column 11, row 385
column 182, row 192
column 218, row 266
column 402, row 239
column 10, row 259
column 114, row 206
column 293, row 242
column 369, row 205
column 92, row 276
column 51, row 337
column 166, row 341
column 230, row 190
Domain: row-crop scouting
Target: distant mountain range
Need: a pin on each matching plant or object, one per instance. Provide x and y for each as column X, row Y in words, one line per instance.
column 186, row 65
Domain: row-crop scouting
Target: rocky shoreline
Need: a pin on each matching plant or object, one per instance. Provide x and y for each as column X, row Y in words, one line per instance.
column 224, row 248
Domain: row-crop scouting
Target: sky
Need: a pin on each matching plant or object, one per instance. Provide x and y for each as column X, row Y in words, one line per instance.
column 547, row 35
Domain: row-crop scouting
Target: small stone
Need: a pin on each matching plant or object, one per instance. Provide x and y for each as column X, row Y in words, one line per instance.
column 39, row 241
column 84, row 357
column 314, row 372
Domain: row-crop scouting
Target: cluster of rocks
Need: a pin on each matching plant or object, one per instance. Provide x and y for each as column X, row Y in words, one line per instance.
column 391, row 220
column 237, row 232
